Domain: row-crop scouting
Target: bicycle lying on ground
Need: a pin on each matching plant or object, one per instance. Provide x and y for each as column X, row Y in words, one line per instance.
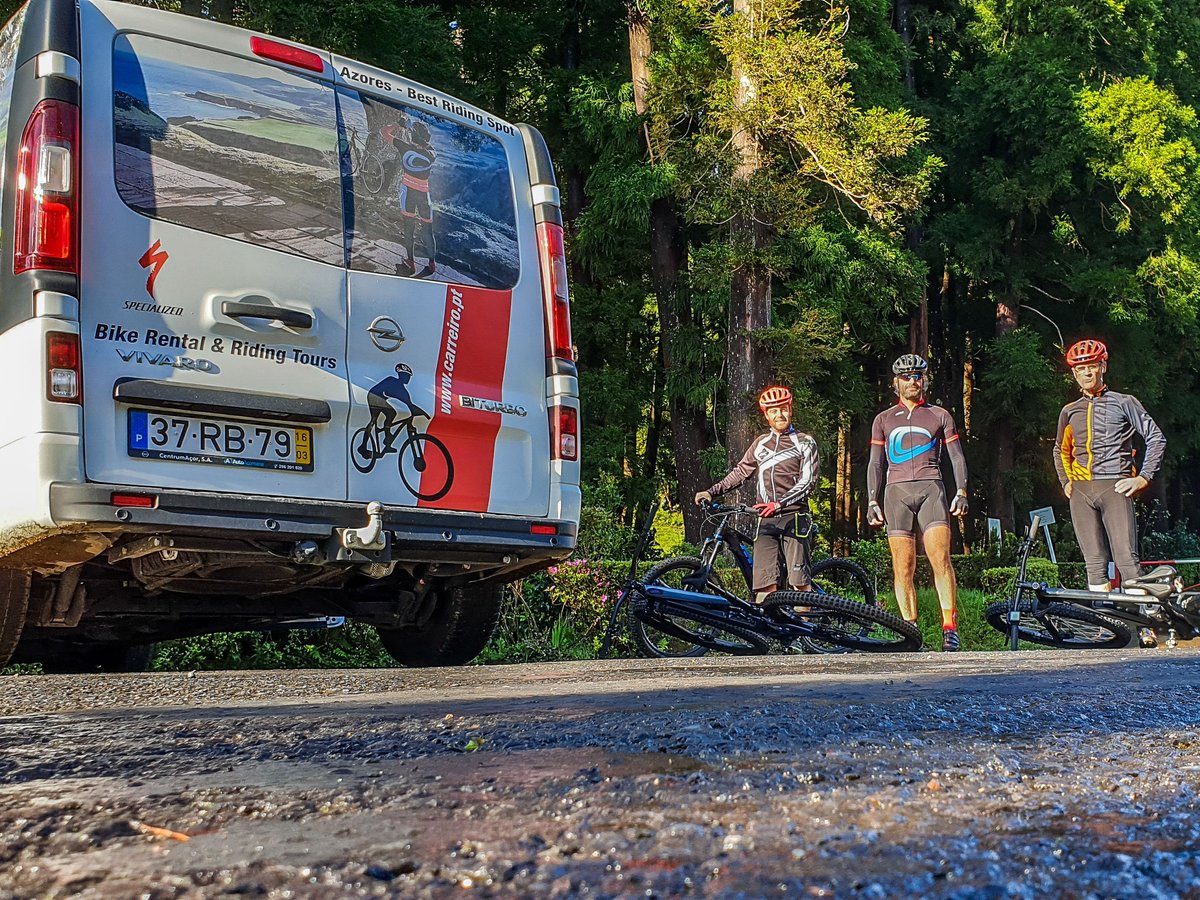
column 681, row 607
column 1156, row 603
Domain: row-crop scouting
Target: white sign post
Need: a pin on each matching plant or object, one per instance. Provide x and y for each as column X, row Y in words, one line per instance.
column 1046, row 514
column 993, row 531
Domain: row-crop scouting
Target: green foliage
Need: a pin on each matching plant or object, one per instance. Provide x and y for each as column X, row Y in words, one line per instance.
column 353, row 646
column 998, row 582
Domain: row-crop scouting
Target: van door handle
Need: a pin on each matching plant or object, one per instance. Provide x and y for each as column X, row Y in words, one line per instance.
column 293, row 318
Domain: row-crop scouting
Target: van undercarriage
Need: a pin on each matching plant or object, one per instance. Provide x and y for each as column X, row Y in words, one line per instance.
column 188, row 563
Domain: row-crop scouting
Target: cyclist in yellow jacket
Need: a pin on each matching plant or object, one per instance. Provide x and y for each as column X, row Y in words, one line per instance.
column 1097, row 465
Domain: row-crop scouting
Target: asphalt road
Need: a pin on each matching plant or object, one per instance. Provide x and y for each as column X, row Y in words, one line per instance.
column 976, row 775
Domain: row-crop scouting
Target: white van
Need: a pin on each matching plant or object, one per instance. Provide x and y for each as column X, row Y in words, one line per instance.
column 283, row 336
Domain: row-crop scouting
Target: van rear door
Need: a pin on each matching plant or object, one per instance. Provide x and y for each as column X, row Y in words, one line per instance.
column 213, row 288
column 446, row 337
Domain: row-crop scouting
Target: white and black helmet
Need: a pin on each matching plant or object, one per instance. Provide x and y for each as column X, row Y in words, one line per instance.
column 909, row 362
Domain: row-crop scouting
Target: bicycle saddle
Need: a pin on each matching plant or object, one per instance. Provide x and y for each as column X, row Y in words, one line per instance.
column 1157, row 582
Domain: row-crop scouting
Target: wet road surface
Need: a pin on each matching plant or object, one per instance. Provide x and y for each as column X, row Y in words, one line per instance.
column 977, row 775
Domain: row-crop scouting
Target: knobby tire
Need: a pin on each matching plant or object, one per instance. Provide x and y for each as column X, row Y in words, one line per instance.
column 827, row 618
column 842, row 578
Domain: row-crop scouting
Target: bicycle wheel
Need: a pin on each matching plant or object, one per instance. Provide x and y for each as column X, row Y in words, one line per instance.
column 842, row 578
column 662, row 629
column 364, row 448
column 829, row 619
column 425, row 453
column 372, row 173
column 1062, row 625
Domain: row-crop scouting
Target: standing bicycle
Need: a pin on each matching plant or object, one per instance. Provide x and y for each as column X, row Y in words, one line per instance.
column 365, row 156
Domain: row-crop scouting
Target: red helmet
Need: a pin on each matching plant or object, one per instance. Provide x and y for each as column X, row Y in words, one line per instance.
column 773, row 397
column 1086, row 351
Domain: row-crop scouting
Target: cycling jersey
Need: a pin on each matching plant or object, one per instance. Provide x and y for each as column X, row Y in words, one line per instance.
column 912, row 440
column 787, row 466
column 1095, row 439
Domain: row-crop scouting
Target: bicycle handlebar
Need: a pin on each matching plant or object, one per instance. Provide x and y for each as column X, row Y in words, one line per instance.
column 712, row 507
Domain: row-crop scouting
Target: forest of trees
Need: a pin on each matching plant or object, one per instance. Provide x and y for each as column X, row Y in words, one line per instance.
column 800, row 190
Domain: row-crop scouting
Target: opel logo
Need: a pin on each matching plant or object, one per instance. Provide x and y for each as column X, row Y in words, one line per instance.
column 386, row 334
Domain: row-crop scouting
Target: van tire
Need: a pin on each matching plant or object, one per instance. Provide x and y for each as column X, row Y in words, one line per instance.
column 460, row 627
column 14, row 604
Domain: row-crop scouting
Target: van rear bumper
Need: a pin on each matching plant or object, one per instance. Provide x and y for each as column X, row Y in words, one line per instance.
column 425, row 534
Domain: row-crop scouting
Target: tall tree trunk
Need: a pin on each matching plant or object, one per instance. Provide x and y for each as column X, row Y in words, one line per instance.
column 1003, row 445
column 668, row 252
column 843, row 507
column 748, row 362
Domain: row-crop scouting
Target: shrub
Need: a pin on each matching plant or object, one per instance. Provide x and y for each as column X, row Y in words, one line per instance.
column 998, row 582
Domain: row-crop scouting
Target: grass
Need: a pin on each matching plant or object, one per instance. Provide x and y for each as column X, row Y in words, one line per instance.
column 974, row 633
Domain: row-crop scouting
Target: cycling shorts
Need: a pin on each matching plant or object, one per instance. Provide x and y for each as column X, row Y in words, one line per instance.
column 914, row 506
column 781, row 552
column 414, row 204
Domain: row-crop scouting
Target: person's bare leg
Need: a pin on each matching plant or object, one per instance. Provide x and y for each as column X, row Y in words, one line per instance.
column 904, row 567
column 937, row 548
column 761, row 594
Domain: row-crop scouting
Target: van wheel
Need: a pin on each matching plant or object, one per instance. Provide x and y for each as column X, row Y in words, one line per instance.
column 14, row 604
column 73, row 659
column 461, row 625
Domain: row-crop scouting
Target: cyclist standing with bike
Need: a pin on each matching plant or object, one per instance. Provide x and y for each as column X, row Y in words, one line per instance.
column 1096, row 463
column 787, row 464
column 912, row 434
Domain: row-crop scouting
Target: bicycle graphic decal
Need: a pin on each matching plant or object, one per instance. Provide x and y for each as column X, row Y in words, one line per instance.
column 422, row 459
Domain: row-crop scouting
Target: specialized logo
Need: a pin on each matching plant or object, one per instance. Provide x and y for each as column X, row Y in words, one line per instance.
column 385, row 334
column 157, row 257
column 897, row 453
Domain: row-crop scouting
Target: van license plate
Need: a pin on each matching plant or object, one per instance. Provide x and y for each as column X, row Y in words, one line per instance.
column 156, row 435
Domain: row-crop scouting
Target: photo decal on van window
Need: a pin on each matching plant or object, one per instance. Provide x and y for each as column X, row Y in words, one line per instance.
column 244, row 150
column 430, row 198
column 228, row 146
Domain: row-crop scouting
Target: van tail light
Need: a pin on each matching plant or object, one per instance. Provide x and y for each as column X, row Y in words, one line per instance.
column 553, row 254
column 564, row 432
column 287, row 54
column 63, row 374
column 46, row 231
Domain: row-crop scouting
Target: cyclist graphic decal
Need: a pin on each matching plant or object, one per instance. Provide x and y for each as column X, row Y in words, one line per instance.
column 391, row 431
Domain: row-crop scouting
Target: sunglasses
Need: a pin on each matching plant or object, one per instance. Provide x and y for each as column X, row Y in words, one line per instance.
column 911, row 376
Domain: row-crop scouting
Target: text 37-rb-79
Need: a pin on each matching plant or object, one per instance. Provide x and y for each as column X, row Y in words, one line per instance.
column 283, row 336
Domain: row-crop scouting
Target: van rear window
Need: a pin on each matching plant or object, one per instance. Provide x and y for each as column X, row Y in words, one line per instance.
column 244, row 150
column 227, row 146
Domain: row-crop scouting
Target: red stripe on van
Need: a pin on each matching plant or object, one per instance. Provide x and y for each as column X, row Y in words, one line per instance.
column 470, row 369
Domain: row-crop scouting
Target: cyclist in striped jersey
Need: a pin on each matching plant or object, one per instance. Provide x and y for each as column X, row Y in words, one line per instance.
column 786, row 465
column 911, row 436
